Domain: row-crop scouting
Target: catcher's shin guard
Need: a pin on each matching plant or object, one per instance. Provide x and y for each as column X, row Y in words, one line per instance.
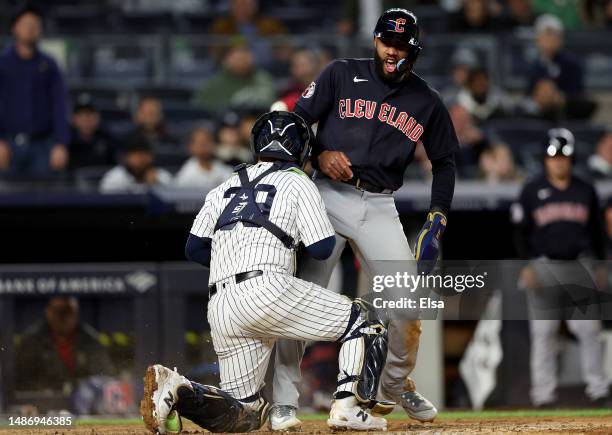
column 364, row 346
column 215, row 410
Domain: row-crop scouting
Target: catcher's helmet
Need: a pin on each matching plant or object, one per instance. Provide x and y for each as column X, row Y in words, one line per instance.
column 281, row 135
column 399, row 27
column 559, row 142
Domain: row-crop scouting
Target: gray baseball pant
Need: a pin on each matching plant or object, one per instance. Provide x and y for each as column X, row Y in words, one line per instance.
column 370, row 223
column 560, row 283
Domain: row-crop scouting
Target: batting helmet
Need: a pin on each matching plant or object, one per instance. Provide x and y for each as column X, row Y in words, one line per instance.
column 283, row 136
column 399, row 27
column 559, row 142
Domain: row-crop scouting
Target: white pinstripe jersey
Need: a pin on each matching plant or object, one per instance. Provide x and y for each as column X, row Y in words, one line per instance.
column 296, row 207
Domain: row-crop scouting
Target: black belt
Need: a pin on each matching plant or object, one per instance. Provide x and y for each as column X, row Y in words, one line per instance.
column 368, row 187
column 240, row 277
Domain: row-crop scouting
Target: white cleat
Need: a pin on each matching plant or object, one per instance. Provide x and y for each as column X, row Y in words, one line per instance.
column 283, row 418
column 346, row 414
column 160, row 396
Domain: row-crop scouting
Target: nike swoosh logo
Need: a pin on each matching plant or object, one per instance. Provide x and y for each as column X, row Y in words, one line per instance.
column 356, row 80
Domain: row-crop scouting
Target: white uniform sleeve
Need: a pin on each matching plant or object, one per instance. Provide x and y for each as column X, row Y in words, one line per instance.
column 312, row 221
column 204, row 223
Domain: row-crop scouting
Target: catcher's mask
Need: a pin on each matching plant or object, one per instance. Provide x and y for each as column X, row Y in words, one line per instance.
column 282, row 136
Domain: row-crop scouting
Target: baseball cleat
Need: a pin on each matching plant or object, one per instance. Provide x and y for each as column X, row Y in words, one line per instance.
column 418, row 407
column 283, row 418
column 346, row 414
column 160, row 386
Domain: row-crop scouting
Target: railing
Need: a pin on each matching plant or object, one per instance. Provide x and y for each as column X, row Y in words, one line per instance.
column 123, row 61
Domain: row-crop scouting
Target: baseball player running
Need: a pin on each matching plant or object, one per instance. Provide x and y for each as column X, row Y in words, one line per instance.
column 247, row 232
column 559, row 225
column 371, row 114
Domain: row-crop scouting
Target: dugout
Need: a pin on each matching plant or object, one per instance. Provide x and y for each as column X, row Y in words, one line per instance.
column 120, row 301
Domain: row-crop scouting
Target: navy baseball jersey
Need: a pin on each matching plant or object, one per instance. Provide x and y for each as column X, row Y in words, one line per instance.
column 349, row 95
column 560, row 224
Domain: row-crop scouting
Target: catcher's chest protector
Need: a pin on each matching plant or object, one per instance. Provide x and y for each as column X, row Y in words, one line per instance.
column 244, row 208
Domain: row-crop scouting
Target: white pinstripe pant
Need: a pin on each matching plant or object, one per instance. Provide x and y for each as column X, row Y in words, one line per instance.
column 247, row 318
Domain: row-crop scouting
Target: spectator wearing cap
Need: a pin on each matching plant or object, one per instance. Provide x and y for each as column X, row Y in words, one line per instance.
column 90, row 144
column 34, row 129
column 137, row 172
column 600, row 163
column 202, row 170
column 239, row 84
column 149, row 124
column 553, row 62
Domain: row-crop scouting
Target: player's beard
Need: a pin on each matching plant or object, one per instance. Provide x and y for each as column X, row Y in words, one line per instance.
column 379, row 66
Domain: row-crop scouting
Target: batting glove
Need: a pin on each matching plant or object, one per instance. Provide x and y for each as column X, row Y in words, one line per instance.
column 428, row 241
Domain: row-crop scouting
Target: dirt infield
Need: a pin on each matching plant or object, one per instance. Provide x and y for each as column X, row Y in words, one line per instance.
column 527, row 425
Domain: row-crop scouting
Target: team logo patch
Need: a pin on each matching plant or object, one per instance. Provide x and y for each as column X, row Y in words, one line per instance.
column 397, row 25
column 309, row 91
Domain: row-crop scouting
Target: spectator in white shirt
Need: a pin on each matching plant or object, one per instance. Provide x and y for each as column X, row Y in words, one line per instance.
column 202, row 170
column 137, row 172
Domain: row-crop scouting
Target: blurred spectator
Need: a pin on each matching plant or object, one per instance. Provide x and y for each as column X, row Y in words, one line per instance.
column 136, row 173
column 607, row 12
column 463, row 61
column 471, row 138
column 59, row 350
column 231, row 149
column 474, row 16
column 553, row 62
column 34, row 127
column 149, row 124
column 90, row 144
column 244, row 20
column 569, row 12
column 518, row 13
column 246, row 123
column 598, row 13
column 240, row 83
column 304, row 70
column 608, row 224
column 600, row 163
column 202, row 170
column 481, row 99
column 546, row 102
column 496, row 164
